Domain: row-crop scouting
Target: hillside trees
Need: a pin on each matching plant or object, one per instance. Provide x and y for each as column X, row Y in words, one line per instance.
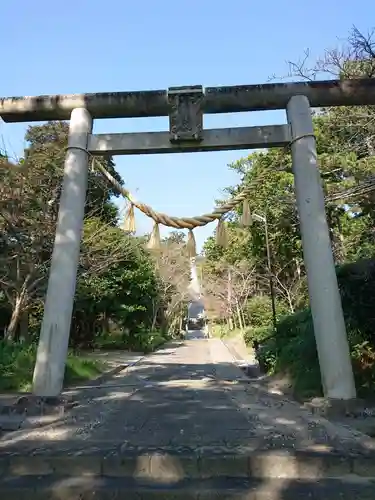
column 345, row 145
column 173, row 269
column 118, row 282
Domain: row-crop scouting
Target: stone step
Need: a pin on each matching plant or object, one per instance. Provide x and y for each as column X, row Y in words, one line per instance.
column 179, row 464
column 106, row 488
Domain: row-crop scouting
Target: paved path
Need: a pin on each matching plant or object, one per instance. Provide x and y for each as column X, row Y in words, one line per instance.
column 169, row 398
column 195, row 335
column 187, row 395
column 115, row 358
column 188, row 401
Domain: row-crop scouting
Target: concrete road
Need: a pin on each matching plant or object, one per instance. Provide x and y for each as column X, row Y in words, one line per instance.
column 187, row 394
column 195, row 335
column 186, row 417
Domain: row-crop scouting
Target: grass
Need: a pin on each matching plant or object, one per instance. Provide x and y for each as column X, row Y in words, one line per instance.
column 17, row 361
column 292, row 352
column 154, row 341
column 79, row 369
column 17, row 366
column 141, row 341
column 222, row 331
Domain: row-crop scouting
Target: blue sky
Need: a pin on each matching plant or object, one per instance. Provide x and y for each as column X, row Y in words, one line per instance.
column 96, row 46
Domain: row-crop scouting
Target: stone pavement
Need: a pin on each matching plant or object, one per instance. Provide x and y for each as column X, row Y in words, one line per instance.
column 185, row 423
column 114, row 359
column 21, row 410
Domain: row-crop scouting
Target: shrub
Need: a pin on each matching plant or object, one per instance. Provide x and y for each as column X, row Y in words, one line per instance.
column 259, row 311
column 260, row 333
column 17, row 366
column 357, row 288
column 293, row 349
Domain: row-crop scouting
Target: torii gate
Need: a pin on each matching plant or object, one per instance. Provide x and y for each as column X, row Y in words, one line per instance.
column 185, row 107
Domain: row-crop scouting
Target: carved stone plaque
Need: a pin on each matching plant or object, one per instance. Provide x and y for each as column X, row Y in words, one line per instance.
column 185, row 113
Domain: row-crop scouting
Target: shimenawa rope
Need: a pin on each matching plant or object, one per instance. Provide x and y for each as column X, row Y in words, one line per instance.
column 189, row 223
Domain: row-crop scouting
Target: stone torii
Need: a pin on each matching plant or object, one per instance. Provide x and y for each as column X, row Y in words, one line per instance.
column 185, row 107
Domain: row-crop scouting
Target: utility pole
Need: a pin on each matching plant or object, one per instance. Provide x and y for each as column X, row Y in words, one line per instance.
column 229, row 299
column 263, row 219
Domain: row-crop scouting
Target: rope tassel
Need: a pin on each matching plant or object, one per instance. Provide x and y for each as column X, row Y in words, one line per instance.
column 221, row 234
column 178, row 222
column 191, row 245
column 154, row 242
column 129, row 221
column 246, row 218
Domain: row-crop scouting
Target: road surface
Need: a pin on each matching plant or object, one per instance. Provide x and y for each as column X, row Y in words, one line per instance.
column 195, row 335
column 184, row 421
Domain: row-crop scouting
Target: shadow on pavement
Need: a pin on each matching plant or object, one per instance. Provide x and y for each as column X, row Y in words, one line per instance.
column 179, row 424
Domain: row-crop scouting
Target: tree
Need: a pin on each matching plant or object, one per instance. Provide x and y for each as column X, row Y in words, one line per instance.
column 173, row 268
column 27, row 223
column 113, row 293
column 227, row 288
column 345, row 146
column 30, row 194
column 177, row 237
column 346, row 140
column 47, row 146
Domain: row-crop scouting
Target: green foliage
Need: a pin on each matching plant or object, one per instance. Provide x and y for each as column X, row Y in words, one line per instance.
column 357, row 288
column 122, row 292
column 47, row 146
column 345, row 147
column 293, row 349
column 219, row 330
column 258, row 333
column 258, row 311
column 121, row 297
column 140, row 341
column 344, row 161
column 17, row 365
column 150, row 341
column 363, row 360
